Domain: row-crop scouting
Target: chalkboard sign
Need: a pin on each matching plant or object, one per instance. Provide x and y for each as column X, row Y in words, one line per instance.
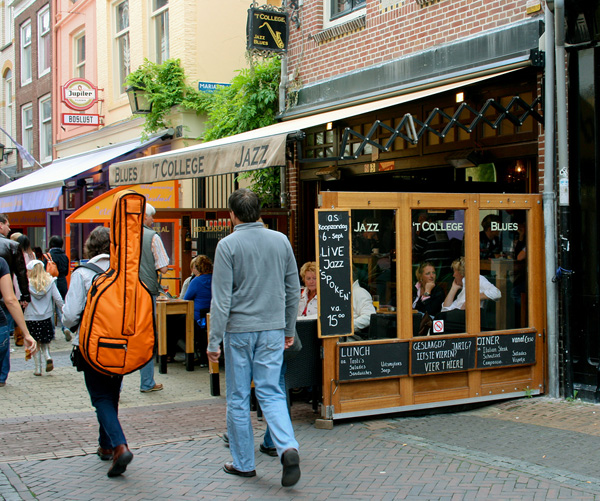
column 335, row 277
column 369, row 361
column 442, row 355
column 505, row 350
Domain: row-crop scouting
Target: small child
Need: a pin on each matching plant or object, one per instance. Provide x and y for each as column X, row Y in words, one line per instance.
column 38, row 314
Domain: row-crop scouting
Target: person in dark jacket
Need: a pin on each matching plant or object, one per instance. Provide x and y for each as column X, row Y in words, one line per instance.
column 55, row 248
column 10, row 251
column 430, row 296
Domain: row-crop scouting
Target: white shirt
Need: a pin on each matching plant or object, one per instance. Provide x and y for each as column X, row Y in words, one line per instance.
column 311, row 306
column 485, row 287
column 362, row 303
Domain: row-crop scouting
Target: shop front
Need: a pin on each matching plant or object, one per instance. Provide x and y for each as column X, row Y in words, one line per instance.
column 480, row 339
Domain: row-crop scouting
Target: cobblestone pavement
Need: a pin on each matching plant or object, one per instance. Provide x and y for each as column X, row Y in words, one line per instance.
column 537, row 448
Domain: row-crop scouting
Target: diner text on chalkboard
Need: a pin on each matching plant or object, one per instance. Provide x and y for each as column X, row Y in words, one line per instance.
column 369, row 361
column 505, row 350
column 335, row 278
column 442, row 355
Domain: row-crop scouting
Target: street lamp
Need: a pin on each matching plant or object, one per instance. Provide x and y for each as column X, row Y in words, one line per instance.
column 3, row 152
column 138, row 100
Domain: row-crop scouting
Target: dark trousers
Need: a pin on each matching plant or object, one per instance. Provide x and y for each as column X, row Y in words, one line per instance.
column 104, row 393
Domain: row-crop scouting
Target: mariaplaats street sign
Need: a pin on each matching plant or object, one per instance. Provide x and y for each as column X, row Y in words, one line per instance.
column 267, row 30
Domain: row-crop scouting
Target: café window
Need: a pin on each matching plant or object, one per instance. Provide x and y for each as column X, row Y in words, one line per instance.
column 503, row 262
column 374, row 273
column 438, row 271
column 319, row 144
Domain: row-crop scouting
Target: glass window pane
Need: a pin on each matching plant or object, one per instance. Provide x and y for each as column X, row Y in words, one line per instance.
column 503, row 262
column 438, row 271
column 122, row 16
column 374, row 273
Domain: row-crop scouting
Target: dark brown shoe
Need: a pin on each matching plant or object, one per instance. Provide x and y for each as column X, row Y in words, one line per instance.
column 229, row 468
column 104, row 454
column 122, row 456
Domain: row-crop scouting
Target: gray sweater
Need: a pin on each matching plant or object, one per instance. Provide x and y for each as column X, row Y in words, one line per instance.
column 255, row 284
column 81, row 281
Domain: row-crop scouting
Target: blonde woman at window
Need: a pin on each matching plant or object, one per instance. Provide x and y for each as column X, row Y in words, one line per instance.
column 308, row 296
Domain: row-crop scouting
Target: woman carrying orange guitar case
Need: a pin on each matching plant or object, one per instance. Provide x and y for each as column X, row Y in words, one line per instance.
column 118, row 327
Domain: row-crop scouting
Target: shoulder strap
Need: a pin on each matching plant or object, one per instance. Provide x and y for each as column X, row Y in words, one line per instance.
column 91, row 266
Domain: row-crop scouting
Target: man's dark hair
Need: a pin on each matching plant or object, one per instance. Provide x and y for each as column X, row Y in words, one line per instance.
column 98, row 242
column 55, row 241
column 245, row 204
column 3, row 218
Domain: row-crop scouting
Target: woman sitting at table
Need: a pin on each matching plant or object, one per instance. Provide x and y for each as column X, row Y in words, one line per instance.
column 454, row 305
column 307, row 308
column 429, row 295
column 199, row 291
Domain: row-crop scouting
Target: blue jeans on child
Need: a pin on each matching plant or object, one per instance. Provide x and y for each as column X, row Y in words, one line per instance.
column 4, row 353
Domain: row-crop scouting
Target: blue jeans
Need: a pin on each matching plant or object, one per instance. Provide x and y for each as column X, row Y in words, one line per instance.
column 147, row 371
column 4, row 353
column 104, row 393
column 267, row 440
column 255, row 356
column 147, row 376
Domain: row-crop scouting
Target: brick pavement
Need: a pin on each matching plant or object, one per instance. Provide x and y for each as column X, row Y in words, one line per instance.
column 536, row 448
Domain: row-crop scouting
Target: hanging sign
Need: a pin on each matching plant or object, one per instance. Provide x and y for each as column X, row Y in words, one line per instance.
column 79, row 94
column 80, row 119
column 267, row 30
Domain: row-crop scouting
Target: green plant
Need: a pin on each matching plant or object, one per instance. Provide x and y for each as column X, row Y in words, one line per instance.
column 165, row 87
column 249, row 103
column 573, row 398
column 528, row 392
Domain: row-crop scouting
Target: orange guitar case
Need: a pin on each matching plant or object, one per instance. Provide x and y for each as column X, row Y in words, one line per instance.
column 118, row 327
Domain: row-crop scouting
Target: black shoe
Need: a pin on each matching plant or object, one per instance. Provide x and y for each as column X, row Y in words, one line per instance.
column 225, row 438
column 269, row 451
column 229, row 468
column 291, row 468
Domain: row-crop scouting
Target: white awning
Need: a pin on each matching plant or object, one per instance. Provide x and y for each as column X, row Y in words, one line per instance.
column 255, row 149
column 41, row 189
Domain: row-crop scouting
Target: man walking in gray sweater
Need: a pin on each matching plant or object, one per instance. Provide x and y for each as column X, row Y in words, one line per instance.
column 255, row 295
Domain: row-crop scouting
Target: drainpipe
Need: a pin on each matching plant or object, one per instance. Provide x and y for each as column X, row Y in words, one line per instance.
column 549, row 200
column 563, row 191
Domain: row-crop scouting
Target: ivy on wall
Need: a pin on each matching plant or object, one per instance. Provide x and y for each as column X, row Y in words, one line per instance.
column 251, row 102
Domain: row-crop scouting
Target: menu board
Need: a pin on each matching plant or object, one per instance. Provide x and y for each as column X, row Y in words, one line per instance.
column 369, row 361
column 335, row 273
column 442, row 355
column 505, row 350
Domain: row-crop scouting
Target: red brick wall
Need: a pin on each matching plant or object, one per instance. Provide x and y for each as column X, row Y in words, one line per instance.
column 400, row 31
column 30, row 93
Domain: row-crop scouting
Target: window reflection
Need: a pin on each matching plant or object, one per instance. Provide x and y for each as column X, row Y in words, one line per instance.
column 438, row 244
column 503, row 261
column 374, row 272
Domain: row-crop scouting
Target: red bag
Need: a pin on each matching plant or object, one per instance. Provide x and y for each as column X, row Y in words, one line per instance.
column 51, row 265
column 118, row 328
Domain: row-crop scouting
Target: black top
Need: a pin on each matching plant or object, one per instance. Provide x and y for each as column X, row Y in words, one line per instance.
column 62, row 263
column 4, row 270
column 433, row 305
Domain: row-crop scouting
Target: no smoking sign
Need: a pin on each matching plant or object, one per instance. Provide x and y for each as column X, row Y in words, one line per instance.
column 438, row 326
